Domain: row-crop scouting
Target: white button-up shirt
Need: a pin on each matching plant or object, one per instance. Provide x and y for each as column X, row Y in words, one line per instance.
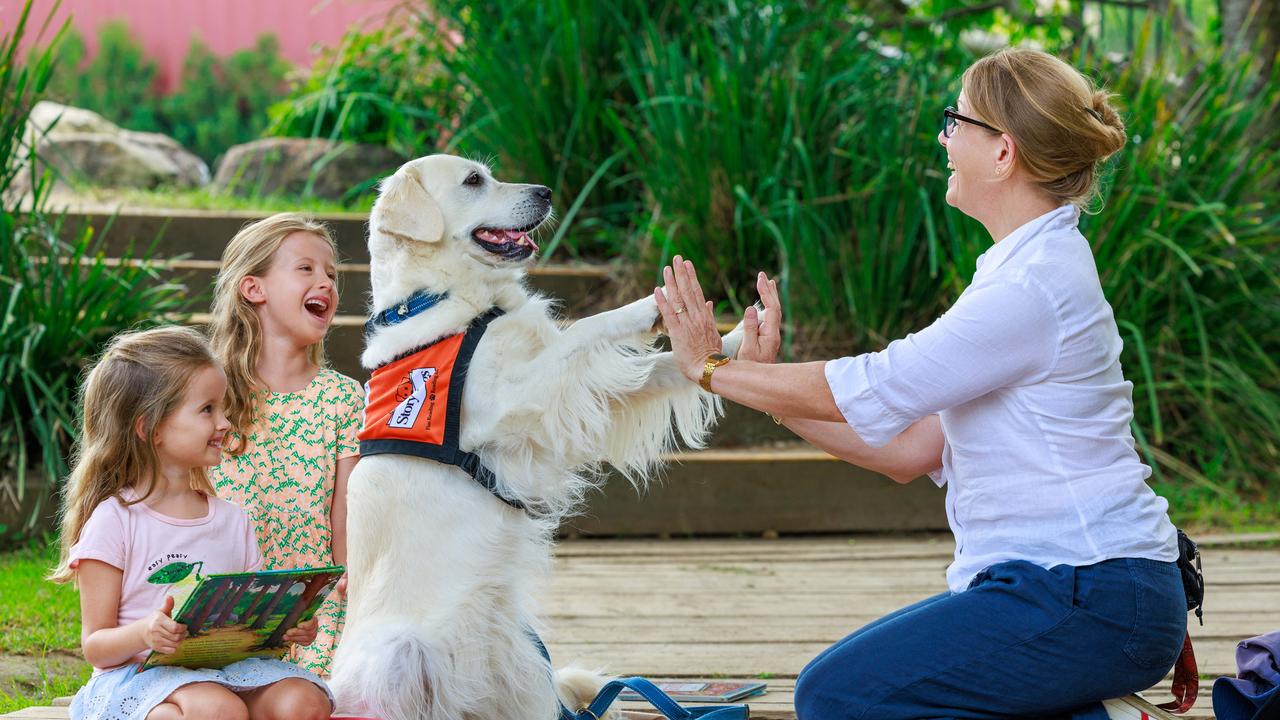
column 1024, row 373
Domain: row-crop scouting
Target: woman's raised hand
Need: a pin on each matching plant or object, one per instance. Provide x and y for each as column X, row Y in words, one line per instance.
column 762, row 337
column 688, row 318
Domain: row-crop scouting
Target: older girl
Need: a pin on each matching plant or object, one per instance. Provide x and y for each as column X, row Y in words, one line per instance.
column 294, row 420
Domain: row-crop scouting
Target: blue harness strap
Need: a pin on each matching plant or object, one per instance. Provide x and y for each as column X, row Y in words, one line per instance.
column 661, row 701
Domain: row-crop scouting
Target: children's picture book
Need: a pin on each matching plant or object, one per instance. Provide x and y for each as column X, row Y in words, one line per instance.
column 704, row 690
column 234, row 616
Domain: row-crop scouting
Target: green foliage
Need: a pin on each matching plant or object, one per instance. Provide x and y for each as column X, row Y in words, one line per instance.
column 222, row 102
column 540, row 78
column 807, row 155
column 381, row 87
column 62, row 300
column 1188, row 248
column 218, row 103
column 119, row 83
column 800, row 138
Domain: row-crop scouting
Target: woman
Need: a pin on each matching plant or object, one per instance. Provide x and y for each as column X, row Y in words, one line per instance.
column 1064, row 590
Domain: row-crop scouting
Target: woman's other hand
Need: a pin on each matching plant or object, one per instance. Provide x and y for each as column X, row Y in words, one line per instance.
column 690, row 324
column 762, row 336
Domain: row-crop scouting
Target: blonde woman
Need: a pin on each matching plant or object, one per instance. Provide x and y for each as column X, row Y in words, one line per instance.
column 294, row 420
column 1064, row 590
column 138, row 498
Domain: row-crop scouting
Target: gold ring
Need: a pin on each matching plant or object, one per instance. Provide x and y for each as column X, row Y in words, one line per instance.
column 679, row 309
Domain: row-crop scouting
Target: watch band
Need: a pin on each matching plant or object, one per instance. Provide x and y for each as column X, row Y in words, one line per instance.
column 714, row 360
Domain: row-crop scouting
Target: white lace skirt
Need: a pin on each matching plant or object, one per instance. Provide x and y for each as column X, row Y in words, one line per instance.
column 125, row 694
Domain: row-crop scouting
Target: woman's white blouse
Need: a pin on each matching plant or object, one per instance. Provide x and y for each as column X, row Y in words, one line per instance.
column 1024, row 373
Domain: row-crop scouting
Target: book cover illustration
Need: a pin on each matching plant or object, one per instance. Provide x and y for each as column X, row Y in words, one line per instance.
column 704, row 691
column 234, row 616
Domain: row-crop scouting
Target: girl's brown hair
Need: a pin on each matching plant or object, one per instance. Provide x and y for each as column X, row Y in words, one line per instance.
column 235, row 330
column 1064, row 126
column 139, row 380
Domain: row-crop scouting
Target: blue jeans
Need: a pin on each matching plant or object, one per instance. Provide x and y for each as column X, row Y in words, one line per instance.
column 1021, row 642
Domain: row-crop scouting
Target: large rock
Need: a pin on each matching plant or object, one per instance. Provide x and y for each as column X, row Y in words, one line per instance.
column 83, row 146
column 303, row 166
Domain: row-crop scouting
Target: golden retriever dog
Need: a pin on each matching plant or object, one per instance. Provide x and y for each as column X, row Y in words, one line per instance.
column 444, row 573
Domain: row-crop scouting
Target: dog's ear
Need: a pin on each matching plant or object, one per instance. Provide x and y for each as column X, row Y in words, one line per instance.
column 407, row 210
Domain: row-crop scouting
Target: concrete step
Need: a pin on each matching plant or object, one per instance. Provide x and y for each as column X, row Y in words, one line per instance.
column 745, row 483
column 199, row 234
column 580, row 288
column 793, row 489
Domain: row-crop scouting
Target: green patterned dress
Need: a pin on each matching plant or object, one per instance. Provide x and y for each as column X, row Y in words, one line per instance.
column 284, row 480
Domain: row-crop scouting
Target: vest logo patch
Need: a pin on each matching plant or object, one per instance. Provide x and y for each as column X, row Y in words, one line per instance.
column 412, row 394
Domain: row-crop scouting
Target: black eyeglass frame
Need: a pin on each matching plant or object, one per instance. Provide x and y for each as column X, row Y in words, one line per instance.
column 949, row 115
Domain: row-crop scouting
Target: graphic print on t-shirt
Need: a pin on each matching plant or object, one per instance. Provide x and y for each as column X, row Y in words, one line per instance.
column 179, row 576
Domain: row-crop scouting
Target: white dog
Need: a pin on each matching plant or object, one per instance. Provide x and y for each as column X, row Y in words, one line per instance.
column 443, row 575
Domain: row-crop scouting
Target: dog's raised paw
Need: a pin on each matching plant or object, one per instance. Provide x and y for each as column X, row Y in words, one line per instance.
column 641, row 316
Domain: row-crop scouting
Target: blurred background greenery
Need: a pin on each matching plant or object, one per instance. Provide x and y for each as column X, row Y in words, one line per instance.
column 792, row 136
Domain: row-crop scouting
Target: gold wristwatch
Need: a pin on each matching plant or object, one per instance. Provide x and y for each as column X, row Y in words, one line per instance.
column 714, row 360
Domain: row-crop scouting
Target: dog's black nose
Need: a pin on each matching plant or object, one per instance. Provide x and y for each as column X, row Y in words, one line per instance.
column 543, row 192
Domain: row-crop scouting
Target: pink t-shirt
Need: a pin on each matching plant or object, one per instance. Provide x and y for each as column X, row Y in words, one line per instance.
column 140, row 542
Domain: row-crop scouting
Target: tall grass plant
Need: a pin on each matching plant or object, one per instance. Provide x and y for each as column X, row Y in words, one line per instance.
column 61, row 302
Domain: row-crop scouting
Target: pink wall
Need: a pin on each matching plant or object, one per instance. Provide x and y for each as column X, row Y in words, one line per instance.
column 165, row 27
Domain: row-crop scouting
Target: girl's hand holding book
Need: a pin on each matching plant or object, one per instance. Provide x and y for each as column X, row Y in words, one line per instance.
column 304, row 633
column 160, row 632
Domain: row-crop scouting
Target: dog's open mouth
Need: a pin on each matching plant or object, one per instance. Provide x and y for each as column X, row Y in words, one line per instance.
column 507, row 243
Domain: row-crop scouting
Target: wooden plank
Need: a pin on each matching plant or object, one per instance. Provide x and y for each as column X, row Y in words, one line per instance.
column 784, row 626
column 731, row 657
column 748, row 608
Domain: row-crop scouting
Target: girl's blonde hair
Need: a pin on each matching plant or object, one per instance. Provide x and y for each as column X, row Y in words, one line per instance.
column 235, row 330
column 140, row 378
column 1064, row 125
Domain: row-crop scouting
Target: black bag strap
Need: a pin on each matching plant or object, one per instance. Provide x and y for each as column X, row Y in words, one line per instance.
column 1192, row 574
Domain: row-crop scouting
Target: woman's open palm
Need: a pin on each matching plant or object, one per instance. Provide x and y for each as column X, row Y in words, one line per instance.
column 762, row 324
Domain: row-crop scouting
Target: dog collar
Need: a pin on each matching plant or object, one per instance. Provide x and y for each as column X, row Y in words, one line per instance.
column 415, row 304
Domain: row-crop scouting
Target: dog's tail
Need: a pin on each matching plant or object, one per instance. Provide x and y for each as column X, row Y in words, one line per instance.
column 389, row 672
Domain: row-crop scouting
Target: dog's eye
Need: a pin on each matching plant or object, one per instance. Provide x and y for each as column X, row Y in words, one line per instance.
column 473, row 179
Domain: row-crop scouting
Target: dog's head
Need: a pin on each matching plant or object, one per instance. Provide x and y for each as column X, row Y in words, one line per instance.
column 442, row 198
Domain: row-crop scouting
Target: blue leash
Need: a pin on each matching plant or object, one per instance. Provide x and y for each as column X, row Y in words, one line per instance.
column 661, row 701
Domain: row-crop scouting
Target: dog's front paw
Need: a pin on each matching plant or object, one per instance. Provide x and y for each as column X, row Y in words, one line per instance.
column 641, row 316
column 732, row 340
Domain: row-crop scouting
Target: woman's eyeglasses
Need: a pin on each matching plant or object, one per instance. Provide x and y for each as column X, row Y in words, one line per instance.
column 950, row 117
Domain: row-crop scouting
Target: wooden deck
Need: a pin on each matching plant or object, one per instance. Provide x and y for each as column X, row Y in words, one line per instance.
column 762, row 608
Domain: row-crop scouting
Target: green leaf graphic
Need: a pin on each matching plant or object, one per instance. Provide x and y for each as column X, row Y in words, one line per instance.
column 172, row 573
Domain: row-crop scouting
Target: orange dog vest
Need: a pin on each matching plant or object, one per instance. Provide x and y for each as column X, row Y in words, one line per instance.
column 413, row 405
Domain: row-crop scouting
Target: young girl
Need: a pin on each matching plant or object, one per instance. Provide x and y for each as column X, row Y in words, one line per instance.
column 138, row 499
column 294, row 421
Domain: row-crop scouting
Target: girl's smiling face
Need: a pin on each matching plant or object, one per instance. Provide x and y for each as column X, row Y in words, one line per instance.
column 191, row 434
column 298, row 295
